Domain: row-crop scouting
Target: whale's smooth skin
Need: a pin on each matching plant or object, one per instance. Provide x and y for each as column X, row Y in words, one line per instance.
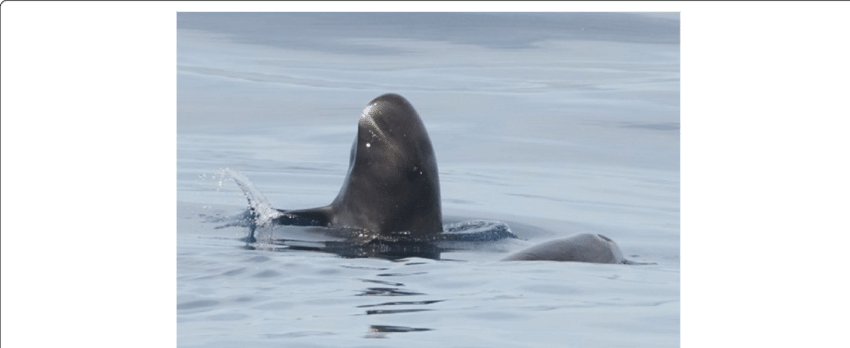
column 392, row 183
column 392, row 186
column 582, row 247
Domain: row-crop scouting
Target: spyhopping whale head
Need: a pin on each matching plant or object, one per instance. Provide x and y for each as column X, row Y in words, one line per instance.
column 392, row 185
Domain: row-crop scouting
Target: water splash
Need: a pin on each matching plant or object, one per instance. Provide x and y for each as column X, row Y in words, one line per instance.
column 260, row 215
column 263, row 210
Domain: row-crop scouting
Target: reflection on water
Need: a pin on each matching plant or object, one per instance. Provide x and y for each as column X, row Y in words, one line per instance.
column 401, row 303
column 388, row 292
column 392, row 291
column 380, row 331
column 395, row 311
column 354, row 249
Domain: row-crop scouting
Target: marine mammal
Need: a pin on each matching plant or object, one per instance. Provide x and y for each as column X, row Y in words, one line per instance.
column 392, row 184
column 392, row 188
column 582, row 247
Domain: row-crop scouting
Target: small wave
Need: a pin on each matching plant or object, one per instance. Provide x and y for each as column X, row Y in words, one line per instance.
column 476, row 231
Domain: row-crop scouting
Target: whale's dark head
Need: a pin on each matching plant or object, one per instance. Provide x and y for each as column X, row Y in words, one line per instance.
column 392, row 183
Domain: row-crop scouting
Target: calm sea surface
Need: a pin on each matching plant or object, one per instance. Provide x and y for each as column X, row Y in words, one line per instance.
column 553, row 123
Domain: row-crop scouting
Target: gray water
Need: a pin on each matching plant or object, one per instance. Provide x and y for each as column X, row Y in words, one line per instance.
column 554, row 123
